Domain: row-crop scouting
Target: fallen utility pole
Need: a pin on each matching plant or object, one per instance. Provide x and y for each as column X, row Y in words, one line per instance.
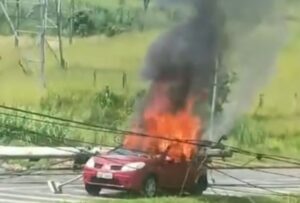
column 7, row 152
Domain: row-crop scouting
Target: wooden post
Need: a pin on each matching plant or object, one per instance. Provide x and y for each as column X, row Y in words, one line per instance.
column 59, row 28
column 17, row 22
column 95, row 78
column 146, row 6
column 124, row 80
column 42, row 41
column 71, row 31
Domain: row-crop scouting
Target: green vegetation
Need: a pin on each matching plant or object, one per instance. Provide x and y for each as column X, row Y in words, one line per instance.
column 109, row 57
column 206, row 199
column 98, row 61
column 274, row 125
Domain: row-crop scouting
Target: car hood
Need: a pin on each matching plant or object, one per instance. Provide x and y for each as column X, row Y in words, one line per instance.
column 113, row 159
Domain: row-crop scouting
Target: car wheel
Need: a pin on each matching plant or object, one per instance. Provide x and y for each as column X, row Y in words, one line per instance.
column 150, row 187
column 200, row 186
column 203, row 182
column 92, row 189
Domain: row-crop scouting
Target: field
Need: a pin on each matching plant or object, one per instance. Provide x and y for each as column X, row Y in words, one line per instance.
column 276, row 122
column 98, row 61
column 110, row 57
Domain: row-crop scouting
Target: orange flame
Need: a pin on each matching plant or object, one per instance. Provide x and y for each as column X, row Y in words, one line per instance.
column 158, row 120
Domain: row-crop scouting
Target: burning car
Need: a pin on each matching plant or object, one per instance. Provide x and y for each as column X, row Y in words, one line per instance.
column 140, row 172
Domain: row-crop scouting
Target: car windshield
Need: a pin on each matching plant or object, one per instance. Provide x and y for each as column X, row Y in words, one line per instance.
column 127, row 152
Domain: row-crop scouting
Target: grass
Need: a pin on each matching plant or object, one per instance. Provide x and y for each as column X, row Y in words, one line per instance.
column 274, row 128
column 205, row 199
column 110, row 57
column 276, row 124
column 112, row 4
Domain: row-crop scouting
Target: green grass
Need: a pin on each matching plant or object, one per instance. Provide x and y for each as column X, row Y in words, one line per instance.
column 112, row 4
column 277, row 124
column 205, row 199
column 109, row 56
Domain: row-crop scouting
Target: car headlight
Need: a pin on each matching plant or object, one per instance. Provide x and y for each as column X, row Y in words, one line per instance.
column 133, row 166
column 90, row 163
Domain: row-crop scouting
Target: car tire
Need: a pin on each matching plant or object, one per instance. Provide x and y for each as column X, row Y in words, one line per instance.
column 150, row 187
column 93, row 190
column 200, row 186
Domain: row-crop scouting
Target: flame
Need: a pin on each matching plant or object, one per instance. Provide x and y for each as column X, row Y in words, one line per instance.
column 158, row 120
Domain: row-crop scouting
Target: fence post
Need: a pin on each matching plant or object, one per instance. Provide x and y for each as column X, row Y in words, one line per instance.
column 71, row 31
column 124, row 80
column 95, row 78
column 17, row 22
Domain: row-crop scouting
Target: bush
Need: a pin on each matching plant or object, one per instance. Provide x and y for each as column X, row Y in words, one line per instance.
column 103, row 21
column 105, row 109
column 249, row 133
column 13, row 127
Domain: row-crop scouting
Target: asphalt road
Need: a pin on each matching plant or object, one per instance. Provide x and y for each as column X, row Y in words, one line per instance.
column 32, row 189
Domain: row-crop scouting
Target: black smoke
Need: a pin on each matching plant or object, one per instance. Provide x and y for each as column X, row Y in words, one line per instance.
column 184, row 57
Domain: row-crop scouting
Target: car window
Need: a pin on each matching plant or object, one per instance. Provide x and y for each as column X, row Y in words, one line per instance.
column 126, row 152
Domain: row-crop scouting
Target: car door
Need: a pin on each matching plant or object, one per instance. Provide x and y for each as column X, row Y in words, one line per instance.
column 172, row 173
column 182, row 172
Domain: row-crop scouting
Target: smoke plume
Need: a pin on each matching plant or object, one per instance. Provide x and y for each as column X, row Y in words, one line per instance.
column 257, row 33
column 184, row 57
column 243, row 36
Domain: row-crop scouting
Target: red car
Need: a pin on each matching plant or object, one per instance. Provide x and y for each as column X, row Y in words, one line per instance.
column 138, row 172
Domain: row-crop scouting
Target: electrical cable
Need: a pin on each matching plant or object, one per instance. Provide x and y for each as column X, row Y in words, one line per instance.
column 101, row 128
column 263, row 171
column 256, row 186
column 193, row 142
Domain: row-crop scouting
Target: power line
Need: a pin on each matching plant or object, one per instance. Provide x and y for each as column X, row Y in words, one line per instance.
column 53, row 138
column 51, row 122
column 256, row 186
column 30, row 172
column 58, row 140
column 262, row 155
column 106, row 129
column 273, row 186
column 240, row 191
column 124, row 132
column 260, row 170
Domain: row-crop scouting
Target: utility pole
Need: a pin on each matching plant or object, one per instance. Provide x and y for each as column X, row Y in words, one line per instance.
column 71, row 31
column 5, row 4
column 214, row 98
column 44, row 4
column 17, row 22
column 59, row 28
column 10, row 22
column 146, row 5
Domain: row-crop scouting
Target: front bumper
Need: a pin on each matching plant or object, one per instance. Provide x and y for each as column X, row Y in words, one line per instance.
column 121, row 180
